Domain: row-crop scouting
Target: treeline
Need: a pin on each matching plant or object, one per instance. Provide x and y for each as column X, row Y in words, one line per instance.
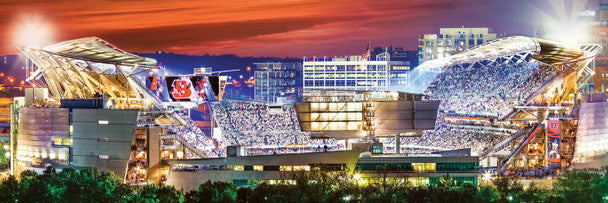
column 92, row 185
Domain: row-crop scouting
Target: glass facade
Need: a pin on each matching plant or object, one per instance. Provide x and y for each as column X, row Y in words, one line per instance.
column 276, row 80
column 451, row 167
column 354, row 74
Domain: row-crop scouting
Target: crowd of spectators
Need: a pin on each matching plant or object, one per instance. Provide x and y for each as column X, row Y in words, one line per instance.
column 488, row 89
column 193, row 136
column 264, row 130
column 477, row 90
column 451, row 135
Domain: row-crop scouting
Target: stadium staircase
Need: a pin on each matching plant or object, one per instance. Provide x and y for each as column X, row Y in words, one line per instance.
column 504, row 143
column 518, row 148
column 172, row 115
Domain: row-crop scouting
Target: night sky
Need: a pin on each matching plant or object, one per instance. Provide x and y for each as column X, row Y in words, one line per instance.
column 293, row 28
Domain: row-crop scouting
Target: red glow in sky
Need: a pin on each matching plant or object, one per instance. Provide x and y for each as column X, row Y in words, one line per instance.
column 293, row 28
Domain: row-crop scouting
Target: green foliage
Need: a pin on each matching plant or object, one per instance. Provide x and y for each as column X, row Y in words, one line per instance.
column 579, row 186
column 213, row 192
column 533, row 194
column 446, row 182
column 153, row 193
column 90, row 184
column 507, row 186
column 386, row 189
column 467, row 191
column 488, row 194
column 3, row 157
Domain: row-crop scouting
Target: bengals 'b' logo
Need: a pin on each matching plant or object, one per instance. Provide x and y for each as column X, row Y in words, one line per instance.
column 181, row 89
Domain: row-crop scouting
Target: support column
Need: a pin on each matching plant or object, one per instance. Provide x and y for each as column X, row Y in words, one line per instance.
column 397, row 144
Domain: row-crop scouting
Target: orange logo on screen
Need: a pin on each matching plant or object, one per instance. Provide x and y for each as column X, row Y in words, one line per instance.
column 154, row 84
column 202, row 85
column 181, row 89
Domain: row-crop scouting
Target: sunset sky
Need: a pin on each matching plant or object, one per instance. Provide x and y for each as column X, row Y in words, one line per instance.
column 292, row 28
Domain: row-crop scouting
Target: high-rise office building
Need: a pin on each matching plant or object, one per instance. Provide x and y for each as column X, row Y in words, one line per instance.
column 450, row 41
column 356, row 73
column 277, row 82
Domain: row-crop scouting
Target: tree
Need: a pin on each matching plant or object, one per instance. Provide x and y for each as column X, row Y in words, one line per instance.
column 244, row 194
column 446, row 182
column 213, row 192
column 272, row 193
column 532, row 194
column 507, row 186
column 488, row 194
column 320, row 185
column 9, row 189
column 386, row 189
column 467, row 192
column 3, row 157
column 580, row 186
column 153, row 193
column 34, row 187
column 90, row 183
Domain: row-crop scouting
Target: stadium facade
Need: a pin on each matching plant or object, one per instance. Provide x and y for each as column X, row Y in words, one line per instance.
column 80, row 136
column 346, row 114
column 163, row 119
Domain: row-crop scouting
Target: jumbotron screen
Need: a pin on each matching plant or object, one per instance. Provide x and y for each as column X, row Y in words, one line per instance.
column 182, row 88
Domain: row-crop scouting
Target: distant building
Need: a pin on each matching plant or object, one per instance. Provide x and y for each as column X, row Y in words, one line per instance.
column 356, row 73
column 450, row 41
column 398, row 54
column 277, row 81
column 599, row 81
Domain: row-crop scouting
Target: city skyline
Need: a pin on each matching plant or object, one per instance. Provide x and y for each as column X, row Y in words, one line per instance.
column 257, row 28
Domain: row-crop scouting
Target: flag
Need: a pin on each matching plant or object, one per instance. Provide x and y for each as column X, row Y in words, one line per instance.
column 367, row 53
column 366, row 56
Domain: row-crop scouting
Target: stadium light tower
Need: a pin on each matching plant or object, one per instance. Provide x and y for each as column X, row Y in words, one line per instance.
column 31, row 30
column 562, row 22
column 570, row 32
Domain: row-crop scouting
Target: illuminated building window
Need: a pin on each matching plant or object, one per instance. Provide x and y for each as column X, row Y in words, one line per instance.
column 285, row 168
column 258, row 168
column 419, row 181
column 58, row 141
column 239, row 168
column 71, row 129
column 103, row 156
column 62, row 141
column 103, row 122
column 67, row 141
column 424, row 167
column 301, row 168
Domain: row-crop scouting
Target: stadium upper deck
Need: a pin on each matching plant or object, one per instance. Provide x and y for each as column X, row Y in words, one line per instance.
column 508, row 79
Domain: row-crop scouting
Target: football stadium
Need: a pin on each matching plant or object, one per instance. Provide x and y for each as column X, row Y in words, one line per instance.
column 512, row 105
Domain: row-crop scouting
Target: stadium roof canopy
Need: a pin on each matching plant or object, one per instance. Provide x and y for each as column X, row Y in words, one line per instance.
column 88, row 67
column 97, row 50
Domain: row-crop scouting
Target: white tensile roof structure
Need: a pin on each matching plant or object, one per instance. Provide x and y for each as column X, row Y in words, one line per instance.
column 87, row 67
